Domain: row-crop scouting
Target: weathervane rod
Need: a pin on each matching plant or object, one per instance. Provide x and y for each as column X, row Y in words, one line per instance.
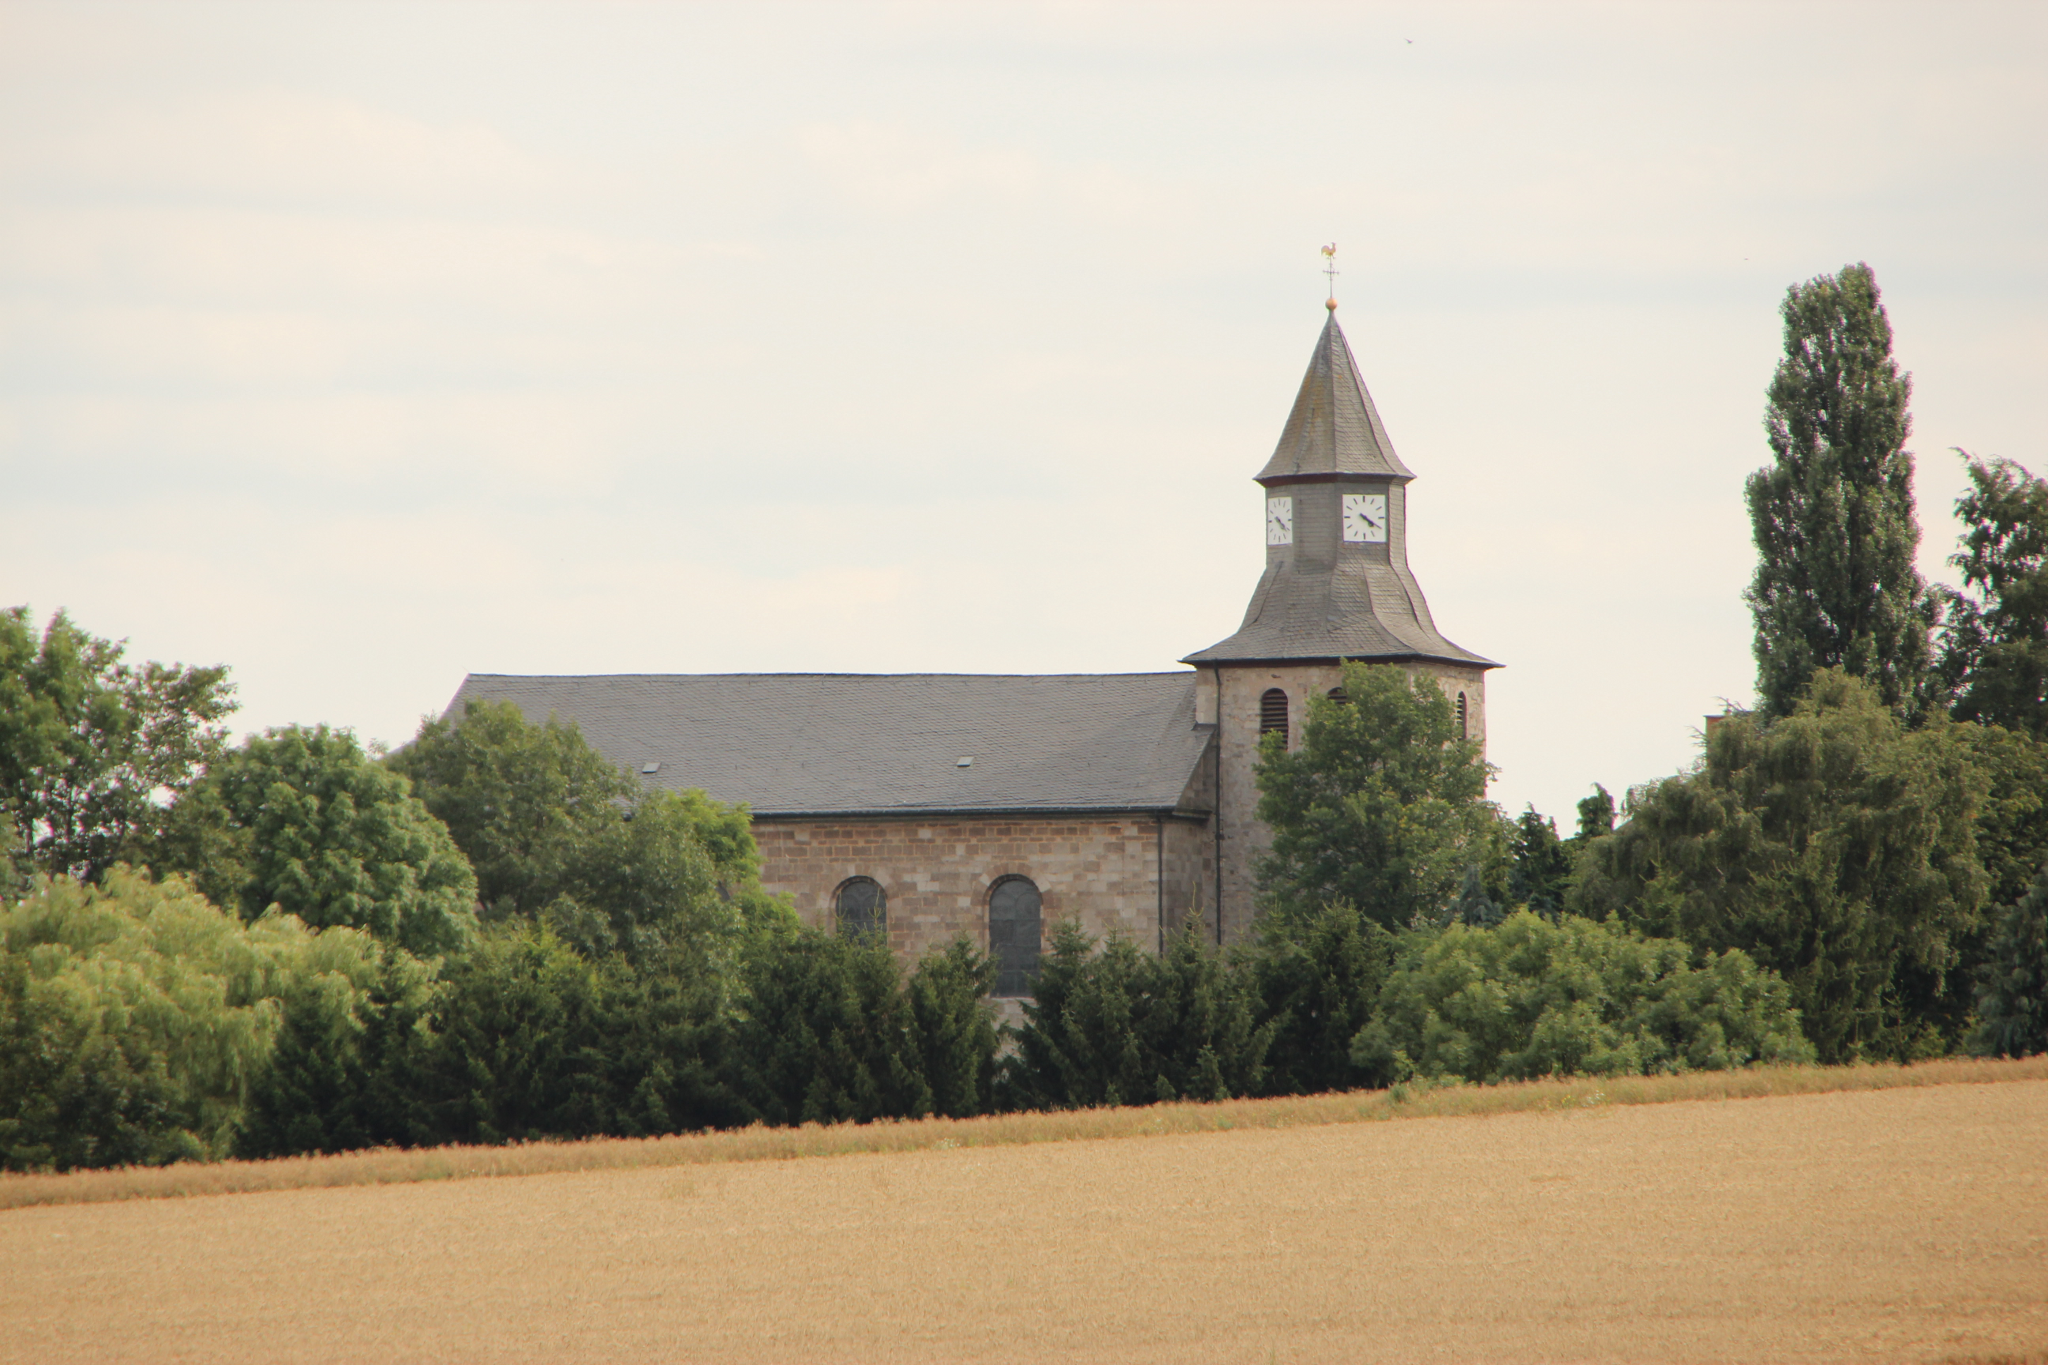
column 1330, row 269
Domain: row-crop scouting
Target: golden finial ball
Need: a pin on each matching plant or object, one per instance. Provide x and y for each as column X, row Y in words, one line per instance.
column 1330, row 304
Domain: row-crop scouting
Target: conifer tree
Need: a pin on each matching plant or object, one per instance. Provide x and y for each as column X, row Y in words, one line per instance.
column 2012, row 1000
column 1835, row 585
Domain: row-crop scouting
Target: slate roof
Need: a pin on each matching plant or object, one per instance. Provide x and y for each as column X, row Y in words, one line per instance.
column 1359, row 610
column 1350, row 607
column 1334, row 427
column 855, row 743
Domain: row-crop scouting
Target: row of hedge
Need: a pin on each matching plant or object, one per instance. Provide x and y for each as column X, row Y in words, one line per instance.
column 140, row 1024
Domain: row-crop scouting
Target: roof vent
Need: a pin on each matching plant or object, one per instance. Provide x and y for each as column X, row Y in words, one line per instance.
column 964, row 761
column 647, row 769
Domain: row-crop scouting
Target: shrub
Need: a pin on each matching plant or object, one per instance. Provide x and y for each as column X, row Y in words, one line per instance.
column 827, row 1033
column 136, row 1018
column 2012, row 1001
column 1318, row 980
column 1532, row 998
column 1124, row 1027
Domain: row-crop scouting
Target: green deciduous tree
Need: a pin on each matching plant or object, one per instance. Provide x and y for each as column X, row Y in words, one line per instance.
column 303, row 819
column 1835, row 585
column 522, row 800
column 89, row 744
column 1123, row 1026
column 1383, row 805
column 559, row 834
column 1534, row 998
column 136, row 1019
column 1994, row 646
column 1833, row 845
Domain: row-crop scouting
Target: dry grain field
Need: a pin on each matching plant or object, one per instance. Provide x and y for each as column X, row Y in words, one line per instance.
column 1877, row 1225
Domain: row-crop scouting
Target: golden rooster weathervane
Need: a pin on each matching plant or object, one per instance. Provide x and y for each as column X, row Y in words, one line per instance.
column 1330, row 269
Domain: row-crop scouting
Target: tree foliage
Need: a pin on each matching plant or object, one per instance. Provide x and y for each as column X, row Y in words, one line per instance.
column 136, row 1018
column 88, row 742
column 561, row 836
column 1318, row 979
column 2012, row 999
column 1994, row 646
column 522, row 801
column 1382, row 806
column 1124, row 1026
column 1542, row 868
column 301, row 818
column 1835, row 585
column 1535, row 998
column 1833, row 846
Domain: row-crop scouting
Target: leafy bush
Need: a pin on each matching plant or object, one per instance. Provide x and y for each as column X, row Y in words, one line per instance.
column 1532, row 998
column 1125, row 1027
column 344, row 1071
column 136, row 1018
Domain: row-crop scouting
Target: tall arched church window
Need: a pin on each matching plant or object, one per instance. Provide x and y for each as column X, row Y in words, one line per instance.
column 1016, row 927
column 860, row 908
column 1273, row 713
column 1464, row 719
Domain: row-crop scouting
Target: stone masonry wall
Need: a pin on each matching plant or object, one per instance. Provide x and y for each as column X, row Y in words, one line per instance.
column 936, row 873
column 1244, row 837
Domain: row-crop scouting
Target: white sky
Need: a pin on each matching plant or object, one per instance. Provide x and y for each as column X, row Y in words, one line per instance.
column 359, row 347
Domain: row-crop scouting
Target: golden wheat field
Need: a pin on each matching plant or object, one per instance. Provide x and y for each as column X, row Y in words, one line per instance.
column 1897, row 1224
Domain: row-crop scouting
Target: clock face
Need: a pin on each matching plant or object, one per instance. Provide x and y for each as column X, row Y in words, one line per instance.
column 1279, row 521
column 1365, row 516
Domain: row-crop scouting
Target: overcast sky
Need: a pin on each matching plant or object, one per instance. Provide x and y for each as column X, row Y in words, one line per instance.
column 359, row 347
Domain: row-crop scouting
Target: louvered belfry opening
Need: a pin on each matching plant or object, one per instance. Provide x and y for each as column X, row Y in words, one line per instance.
column 1016, row 927
column 1273, row 713
column 1340, row 696
column 860, row 908
column 1464, row 725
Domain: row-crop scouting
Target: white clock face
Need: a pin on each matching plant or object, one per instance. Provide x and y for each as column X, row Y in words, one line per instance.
column 1365, row 516
column 1279, row 521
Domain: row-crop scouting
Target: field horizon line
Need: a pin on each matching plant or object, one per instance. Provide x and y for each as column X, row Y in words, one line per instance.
column 1413, row 1100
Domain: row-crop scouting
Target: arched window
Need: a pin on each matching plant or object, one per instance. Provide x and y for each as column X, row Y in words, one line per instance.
column 1464, row 722
column 1016, row 926
column 860, row 907
column 1340, row 696
column 1273, row 713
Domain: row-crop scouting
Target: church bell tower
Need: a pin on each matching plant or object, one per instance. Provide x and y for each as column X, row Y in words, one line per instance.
column 1336, row 586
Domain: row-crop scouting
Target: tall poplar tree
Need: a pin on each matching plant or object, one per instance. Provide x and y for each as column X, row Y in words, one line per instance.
column 1835, row 585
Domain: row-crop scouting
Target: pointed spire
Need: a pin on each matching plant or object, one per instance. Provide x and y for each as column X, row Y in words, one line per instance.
column 1334, row 428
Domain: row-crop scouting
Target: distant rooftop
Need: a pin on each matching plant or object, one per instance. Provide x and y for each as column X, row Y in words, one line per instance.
column 883, row 743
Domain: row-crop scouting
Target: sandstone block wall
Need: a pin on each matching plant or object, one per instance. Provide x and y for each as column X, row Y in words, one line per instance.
column 1104, row 871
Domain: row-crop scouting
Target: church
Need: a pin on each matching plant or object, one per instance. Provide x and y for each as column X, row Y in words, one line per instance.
column 923, row 806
